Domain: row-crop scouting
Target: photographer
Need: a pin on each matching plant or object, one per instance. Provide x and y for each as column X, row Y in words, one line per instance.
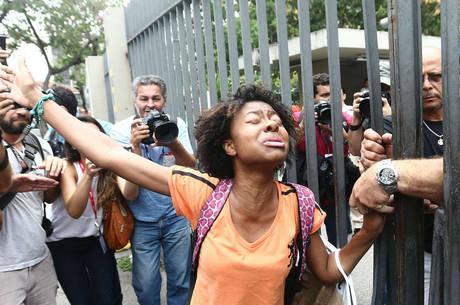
column 156, row 224
column 321, row 91
column 361, row 109
column 26, row 268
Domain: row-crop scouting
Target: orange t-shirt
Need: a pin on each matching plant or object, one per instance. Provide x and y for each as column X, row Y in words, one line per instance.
column 232, row 270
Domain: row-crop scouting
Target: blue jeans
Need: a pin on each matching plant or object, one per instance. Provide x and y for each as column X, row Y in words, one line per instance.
column 86, row 274
column 171, row 233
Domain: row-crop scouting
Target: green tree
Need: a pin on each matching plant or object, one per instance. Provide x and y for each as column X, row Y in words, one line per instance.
column 5, row 7
column 72, row 29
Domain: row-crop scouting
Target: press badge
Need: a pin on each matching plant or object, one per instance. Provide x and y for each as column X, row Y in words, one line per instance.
column 169, row 160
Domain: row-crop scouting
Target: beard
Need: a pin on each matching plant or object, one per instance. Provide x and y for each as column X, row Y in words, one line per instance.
column 9, row 128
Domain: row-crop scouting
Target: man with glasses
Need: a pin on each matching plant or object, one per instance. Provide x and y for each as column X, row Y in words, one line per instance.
column 373, row 151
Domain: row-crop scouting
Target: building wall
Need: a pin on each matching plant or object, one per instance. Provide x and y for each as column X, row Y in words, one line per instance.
column 117, row 63
column 95, row 85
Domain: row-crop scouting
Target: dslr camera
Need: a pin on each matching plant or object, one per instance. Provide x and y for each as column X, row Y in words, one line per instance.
column 365, row 105
column 323, row 110
column 165, row 131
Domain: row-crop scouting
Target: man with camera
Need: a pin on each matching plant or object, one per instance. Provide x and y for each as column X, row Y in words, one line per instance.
column 373, row 151
column 321, row 91
column 156, row 224
column 361, row 109
column 26, row 268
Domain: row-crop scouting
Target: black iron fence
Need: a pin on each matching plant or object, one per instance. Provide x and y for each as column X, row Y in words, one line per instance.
column 205, row 49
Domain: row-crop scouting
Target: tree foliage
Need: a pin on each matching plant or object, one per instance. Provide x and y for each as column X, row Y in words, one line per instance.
column 72, row 29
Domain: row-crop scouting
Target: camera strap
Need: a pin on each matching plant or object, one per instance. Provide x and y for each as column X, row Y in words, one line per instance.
column 93, row 204
column 31, row 146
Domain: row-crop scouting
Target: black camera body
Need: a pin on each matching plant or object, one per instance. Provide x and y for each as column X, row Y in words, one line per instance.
column 365, row 105
column 47, row 226
column 165, row 131
column 323, row 110
column 3, row 46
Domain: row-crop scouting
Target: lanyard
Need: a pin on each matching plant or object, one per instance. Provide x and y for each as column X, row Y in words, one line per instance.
column 20, row 159
column 91, row 197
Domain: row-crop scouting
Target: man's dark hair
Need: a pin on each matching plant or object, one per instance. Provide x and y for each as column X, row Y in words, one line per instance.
column 65, row 97
column 320, row 79
column 213, row 127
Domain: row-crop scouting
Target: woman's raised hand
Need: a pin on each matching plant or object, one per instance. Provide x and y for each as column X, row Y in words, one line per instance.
column 23, row 89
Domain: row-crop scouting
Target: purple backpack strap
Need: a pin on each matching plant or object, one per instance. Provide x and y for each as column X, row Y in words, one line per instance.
column 209, row 213
column 306, row 201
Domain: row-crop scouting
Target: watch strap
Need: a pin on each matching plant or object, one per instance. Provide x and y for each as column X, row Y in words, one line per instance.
column 356, row 127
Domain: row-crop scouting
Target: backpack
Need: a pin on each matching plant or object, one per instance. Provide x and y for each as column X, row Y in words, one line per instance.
column 306, row 204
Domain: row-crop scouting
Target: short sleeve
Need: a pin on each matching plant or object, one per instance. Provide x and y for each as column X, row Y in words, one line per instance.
column 190, row 190
column 318, row 219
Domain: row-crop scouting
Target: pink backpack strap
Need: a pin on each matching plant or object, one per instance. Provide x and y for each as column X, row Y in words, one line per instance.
column 306, row 201
column 209, row 213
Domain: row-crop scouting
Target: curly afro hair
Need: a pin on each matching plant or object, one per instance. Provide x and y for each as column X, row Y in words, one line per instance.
column 213, row 127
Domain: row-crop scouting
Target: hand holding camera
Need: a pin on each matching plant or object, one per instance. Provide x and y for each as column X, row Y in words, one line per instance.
column 365, row 105
column 161, row 130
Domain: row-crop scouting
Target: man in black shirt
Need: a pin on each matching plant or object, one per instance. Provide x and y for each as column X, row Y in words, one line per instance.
column 433, row 142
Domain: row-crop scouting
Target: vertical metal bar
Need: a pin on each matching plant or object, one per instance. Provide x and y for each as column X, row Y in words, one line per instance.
column 178, row 64
column 136, row 56
column 154, row 49
column 209, row 47
column 144, row 53
column 130, row 59
column 200, row 53
column 451, row 127
column 264, row 53
column 337, row 117
column 383, row 243
column 372, row 55
column 285, row 75
column 439, row 259
column 221, row 52
column 148, row 50
column 193, row 73
column 246, row 37
column 172, row 96
column 232, row 45
column 162, row 49
column 407, row 143
column 307, row 89
column 185, row 72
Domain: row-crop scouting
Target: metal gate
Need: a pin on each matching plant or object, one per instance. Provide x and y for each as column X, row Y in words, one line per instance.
column 204, row 49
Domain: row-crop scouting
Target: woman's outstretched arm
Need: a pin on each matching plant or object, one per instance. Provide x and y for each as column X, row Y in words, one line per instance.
column 98, row 147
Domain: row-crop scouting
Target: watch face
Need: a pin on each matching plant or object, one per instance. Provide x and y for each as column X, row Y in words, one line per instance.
column 387, row 176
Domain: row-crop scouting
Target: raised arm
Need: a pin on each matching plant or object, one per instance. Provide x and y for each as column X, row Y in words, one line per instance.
column 99, row 148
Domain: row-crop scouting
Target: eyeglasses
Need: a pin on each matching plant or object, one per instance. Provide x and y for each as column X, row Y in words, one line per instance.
column 433, row 78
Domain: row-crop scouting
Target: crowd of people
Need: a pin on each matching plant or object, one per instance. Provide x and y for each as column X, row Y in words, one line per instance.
column 241, row 141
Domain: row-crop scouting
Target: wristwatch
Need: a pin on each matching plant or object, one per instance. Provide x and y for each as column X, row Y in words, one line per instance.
column 387, row 176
